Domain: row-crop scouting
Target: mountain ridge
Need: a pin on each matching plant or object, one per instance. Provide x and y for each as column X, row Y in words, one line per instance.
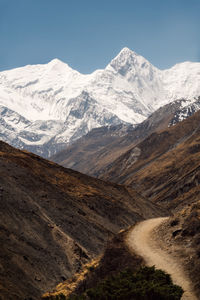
column 164, row 166
column 128, row 90
column 94, row 152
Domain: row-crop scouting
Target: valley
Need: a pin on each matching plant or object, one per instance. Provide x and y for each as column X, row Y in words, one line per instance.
column 95, row 152
column 99, row 173
column 163, row 168
column 53, row 220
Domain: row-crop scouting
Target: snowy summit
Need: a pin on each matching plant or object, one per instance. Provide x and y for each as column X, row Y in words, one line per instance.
column 43, row 107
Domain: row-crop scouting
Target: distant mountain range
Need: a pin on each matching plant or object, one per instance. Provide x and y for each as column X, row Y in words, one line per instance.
column 45, row 107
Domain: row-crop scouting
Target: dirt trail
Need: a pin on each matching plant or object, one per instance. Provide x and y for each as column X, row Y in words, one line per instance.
column 143, row 241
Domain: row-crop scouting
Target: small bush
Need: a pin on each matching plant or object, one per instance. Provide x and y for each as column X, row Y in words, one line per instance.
column 146, row 284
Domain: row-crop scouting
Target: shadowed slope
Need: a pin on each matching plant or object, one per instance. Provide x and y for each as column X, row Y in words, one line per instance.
column 101, row 146
column 165, row 166
column 54, row 219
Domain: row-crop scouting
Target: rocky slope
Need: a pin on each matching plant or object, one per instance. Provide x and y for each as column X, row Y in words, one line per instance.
column 92, row 153
column 115, row 258
column 174, row 246
column 164, row 166
column 144, row 240
column 180, row 235
column 52, row 220
column 44, row 107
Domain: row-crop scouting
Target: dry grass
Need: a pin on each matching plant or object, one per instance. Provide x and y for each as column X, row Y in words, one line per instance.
column 168, row 169
column 53, row 220
column 69, row 286
column 116, row 257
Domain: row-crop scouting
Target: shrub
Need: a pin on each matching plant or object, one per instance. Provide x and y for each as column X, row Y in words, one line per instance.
column 146, row 284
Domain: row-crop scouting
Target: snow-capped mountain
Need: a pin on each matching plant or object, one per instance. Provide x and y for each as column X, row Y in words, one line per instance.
column 187, row 109
column 43, row 107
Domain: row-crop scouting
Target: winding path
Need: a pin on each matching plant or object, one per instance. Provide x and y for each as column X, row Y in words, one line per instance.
column 142, row 241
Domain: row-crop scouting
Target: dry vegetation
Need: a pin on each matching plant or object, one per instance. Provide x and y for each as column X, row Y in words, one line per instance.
column 116, row 258
column 167, row 170
column 181, row 234
column 54, row 220
column 92, row 153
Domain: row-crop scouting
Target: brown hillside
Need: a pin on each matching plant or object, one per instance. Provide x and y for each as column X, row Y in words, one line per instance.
column 181, row 236
column 116, row 257
column 100, row 147
column 52, row 220
column 165, row 166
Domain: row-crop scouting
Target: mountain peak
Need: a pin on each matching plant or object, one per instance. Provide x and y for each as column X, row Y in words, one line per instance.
column 127, row 52
column 55, row 61
column 124, row 55
column 126, row 61
column 58, row 65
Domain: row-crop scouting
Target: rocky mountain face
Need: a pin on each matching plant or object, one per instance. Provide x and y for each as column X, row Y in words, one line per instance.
column 44, row 107
column 182, row 231
column 165, row 166
column 95, row 151
column 186, row 110
column 53, row 220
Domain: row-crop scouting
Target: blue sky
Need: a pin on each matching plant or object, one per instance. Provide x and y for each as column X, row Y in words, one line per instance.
column 87, row 34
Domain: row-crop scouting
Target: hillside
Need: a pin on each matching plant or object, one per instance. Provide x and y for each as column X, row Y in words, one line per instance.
column 52, row 220
column 181, row 236
column 171, row 244
column 92, row 153
column 164, row 166
column 119, row 273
